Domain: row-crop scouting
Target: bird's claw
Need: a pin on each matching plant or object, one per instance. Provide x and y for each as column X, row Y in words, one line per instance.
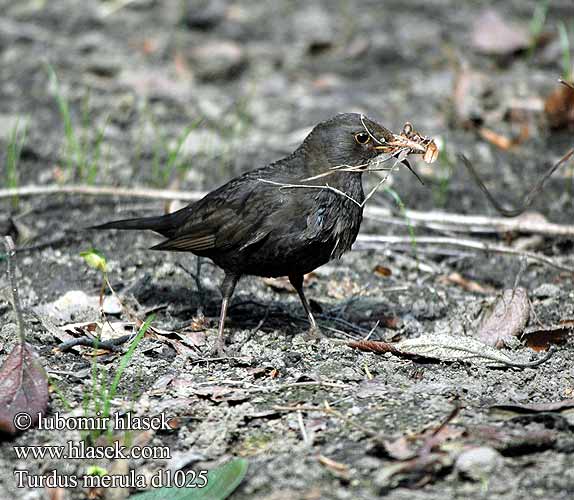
column 314, row 333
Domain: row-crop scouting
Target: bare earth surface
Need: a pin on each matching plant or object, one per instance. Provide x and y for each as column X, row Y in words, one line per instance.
column 315, row 418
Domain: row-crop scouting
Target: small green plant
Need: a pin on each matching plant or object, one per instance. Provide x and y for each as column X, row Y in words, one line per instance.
column 166, row 156
column 98, row 401
column 96, row 260
column 566, row 58
column 219, row 484
column 82, row 159
column 537, row 24
column 13, row 154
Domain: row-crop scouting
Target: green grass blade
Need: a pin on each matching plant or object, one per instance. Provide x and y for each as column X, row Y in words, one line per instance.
column 126, row 358
column 71, row 140
column 566, row 58
column 13, row 154
column 221, row 483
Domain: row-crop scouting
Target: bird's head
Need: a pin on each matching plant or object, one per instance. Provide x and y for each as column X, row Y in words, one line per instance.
column 354, row 140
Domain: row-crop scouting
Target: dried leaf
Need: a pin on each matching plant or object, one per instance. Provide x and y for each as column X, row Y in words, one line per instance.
column 337, row 468
column 219, row 393
column 283, row 285
column 107, row 330
column 399, row 449
column 444, row 347
column 431, row 154
column 541, row 338
column 453, row 348
column 383, row 271
column 514, row 441
column 466, row 284
column 373, row 346
column 23, row 387
column 559, row 107
column 343, row 288
column 507, row 318
column 558, row 406
column 494, row 35
column 498, row 140
column 416, row 472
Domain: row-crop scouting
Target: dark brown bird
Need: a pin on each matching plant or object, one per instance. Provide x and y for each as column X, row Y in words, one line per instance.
column 282, row 219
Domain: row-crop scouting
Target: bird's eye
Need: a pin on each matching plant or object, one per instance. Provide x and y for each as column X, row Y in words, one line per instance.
column 362, row 138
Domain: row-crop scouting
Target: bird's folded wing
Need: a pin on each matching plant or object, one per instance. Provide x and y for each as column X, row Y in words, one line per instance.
column 223, row 221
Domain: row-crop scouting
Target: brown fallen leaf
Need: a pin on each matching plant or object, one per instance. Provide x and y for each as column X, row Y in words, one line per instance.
column 343, row 288
column 383, row 271
column 494, row 35
column 337, row 468
column 373, row 346
column 283, row 285
column 565, row 404
column 506, row 319
column 559, row 107
column 428, row 460
column 444, row 347
column 399, row 449
column 23, row 387
column 514, row 442
column 540, row 338
column 219, row 393
column 466, row 284
column 498, row 140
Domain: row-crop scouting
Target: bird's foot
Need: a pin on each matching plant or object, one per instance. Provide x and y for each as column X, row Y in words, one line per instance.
column 314, row 333
column 218, row 349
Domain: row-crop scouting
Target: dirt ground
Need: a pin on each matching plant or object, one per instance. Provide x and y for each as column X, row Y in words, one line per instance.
column 241, row 83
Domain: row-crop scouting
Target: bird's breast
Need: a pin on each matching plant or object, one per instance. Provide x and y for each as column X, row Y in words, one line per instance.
column 337, row 217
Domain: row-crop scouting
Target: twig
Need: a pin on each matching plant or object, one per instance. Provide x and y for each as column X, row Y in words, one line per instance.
column 283, row 185
column 328, row 410
column 372, row 330
column 281, row 387
column 110, row 345
column 445, row 221
column 116, row 6
column 302, row 428
column 434, row 439
column 528, row 199
column 154, row 194
column 11, row 270
column 433, row 220
column 368, row 240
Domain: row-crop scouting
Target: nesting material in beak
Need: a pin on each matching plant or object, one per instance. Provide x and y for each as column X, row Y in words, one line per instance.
column 412, row 142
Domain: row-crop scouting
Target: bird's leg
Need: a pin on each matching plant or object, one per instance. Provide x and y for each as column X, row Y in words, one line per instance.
column 297, row 282
column 227, row 288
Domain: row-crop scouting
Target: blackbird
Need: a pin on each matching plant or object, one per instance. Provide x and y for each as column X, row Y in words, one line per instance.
column 283, row 219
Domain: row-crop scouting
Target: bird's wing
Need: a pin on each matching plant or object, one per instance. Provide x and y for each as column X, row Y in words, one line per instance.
column 234, row 216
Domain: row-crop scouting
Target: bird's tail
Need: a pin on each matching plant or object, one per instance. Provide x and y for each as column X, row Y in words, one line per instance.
column 162, row 224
